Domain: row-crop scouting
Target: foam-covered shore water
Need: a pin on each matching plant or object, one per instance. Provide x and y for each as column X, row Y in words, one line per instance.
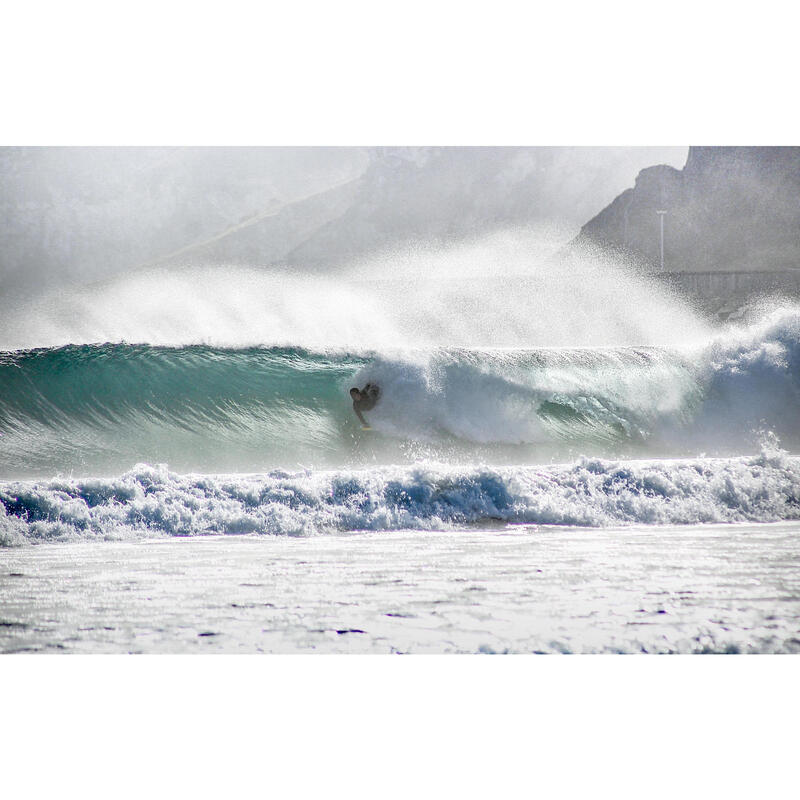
column 154, row 502
column 634, row 589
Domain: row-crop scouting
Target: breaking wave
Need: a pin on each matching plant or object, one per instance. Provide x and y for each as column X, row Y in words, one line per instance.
column 154, row 502
column 97, row 409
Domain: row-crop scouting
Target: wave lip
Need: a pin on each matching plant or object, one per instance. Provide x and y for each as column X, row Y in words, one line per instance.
column 151, row 501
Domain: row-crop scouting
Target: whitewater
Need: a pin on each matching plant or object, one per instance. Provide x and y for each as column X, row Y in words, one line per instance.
column 208, row 411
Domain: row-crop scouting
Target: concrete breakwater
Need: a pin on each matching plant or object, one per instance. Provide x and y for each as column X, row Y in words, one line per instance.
column 723, row 293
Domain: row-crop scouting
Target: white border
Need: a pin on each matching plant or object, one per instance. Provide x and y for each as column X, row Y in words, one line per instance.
column 357, row 72
column 391, row 726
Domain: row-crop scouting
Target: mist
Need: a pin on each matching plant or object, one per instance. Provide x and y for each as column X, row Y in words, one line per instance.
column 499, row 290
column 72, row 216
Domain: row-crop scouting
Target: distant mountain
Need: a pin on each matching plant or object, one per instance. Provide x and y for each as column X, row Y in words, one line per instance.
column 728, row 209
column 81, row 214
column 436, row 195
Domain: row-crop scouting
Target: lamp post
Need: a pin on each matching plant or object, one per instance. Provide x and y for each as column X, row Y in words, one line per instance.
column 661, row 217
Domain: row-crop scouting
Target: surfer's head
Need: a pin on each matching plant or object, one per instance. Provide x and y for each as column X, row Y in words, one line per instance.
column 355, row 393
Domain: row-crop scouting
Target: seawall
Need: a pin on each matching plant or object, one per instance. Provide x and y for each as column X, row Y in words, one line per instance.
column 721, row 293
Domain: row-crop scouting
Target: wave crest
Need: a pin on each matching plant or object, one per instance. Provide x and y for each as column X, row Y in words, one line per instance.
column 99, row 408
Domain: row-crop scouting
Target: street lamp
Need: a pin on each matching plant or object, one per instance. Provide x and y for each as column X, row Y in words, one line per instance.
column 661, row 217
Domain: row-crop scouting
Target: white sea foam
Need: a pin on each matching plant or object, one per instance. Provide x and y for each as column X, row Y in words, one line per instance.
column 718, row 394
column 152, row 501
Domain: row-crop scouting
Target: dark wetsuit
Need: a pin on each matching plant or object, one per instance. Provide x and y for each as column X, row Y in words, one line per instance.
column 366, row 402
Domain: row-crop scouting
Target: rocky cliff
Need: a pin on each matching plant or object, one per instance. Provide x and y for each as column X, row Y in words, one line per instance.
column 728, row 209
column 426, row 195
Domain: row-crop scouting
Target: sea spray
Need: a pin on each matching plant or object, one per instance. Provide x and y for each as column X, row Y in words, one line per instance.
column 498, row 291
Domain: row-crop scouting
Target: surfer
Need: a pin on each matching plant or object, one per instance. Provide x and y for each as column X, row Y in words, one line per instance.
column 364, row 400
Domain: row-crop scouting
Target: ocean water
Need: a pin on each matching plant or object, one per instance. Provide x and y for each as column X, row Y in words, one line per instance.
column 621, row 497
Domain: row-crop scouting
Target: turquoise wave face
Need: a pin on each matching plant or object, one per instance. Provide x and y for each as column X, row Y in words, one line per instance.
column 98, row 409
column 99, row 406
